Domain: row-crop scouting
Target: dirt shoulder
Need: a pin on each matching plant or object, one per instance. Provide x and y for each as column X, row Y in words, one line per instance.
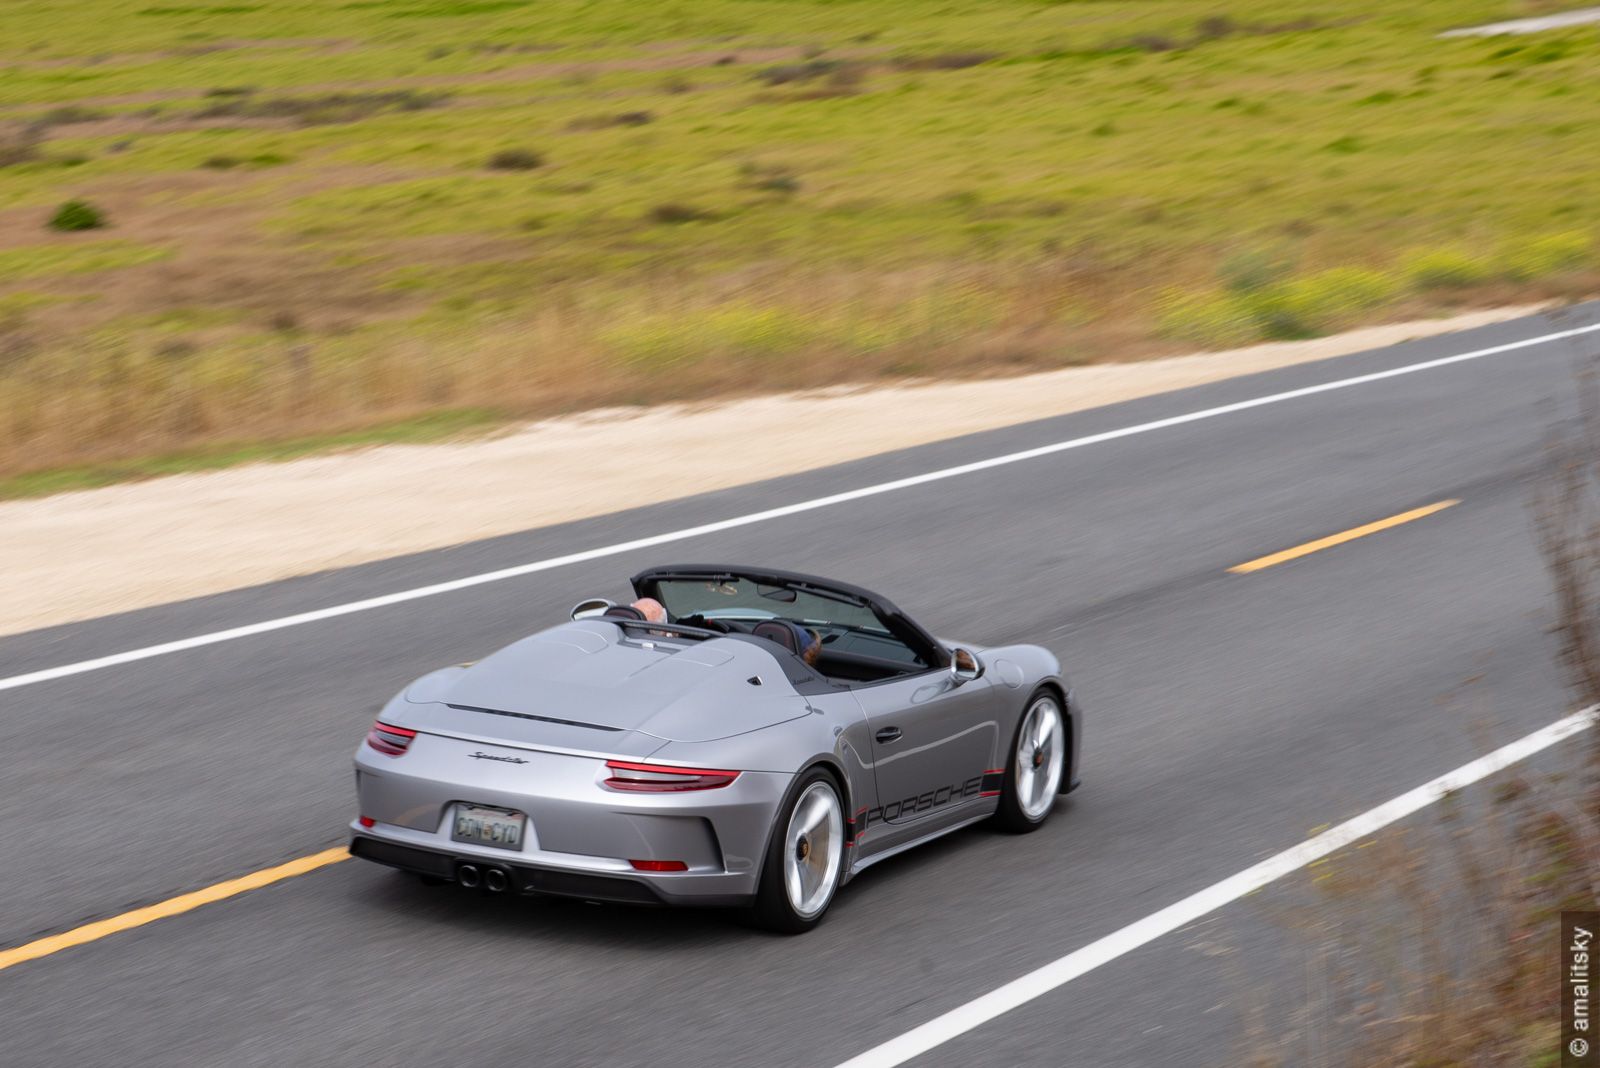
column 80, row 555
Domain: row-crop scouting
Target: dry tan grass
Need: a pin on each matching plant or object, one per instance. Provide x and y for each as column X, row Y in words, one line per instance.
column 1436, row 946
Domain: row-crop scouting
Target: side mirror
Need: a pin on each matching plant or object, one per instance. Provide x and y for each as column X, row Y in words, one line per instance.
column 964, row 665
column 592, row 607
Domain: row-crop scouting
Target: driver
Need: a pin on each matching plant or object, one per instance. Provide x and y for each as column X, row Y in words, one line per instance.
column 652, row 610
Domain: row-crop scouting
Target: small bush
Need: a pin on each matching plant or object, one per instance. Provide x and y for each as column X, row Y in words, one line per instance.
column 77, row 215
column 739, row 331
column 327, row 108
column 1215, row 320
column 679, row 213
column 1252, row 270
column 69, row 114
column 515, row 159
column 1152, row 42
column 1317, row 303
column 260, row 159
column 945, row 61
column 601, row 122
column 1299, row 308
column 770, row 179
column 1548, row 255
column 786, row 73
column 1443, row 269
column 786, row 184
column 19, row 143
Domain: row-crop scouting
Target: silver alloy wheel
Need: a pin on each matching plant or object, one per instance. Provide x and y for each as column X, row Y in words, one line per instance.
column 813, row 848
column 1041, row 749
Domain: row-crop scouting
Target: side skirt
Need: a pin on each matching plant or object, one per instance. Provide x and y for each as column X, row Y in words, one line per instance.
column 862, row 865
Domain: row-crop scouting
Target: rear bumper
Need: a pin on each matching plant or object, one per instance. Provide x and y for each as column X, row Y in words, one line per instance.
column 528, row 879
column 581, row 838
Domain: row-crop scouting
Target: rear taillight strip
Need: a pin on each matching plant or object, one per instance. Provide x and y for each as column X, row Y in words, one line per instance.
column 390, row 741
column 664, row 778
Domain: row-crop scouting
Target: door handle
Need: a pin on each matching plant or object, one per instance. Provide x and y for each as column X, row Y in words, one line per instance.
column 888, row 734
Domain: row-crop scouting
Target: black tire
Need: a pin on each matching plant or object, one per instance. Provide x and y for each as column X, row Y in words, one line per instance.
column 1012, row 815
column 773, row 909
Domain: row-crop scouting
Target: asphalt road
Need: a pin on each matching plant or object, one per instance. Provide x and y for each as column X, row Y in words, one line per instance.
column 1229, row 716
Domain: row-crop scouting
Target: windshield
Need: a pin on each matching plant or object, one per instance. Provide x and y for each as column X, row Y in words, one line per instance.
column 739, row 598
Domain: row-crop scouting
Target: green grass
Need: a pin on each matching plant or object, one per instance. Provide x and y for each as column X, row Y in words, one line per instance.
column 75, row 255
column 437, row 426
column 740, row 194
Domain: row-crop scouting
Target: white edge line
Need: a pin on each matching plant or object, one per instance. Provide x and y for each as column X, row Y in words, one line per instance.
column 1063, row 970
column 266, row 626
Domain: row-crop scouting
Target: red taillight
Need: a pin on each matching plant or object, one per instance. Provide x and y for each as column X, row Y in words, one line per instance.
column 390, row 741
column 663, row 778
column 659, row 865
column 366, row 821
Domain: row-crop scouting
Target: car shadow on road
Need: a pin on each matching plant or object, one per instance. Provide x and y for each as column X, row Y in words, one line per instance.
column 577, row 923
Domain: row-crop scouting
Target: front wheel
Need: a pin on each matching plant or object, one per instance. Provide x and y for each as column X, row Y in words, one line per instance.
column 1034, row 768
column 804, row 858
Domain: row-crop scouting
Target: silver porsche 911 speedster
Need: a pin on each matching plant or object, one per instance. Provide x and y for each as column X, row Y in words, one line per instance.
column 735, row 736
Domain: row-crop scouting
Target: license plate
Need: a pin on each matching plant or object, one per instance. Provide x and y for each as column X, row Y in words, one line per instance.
column 488, row 826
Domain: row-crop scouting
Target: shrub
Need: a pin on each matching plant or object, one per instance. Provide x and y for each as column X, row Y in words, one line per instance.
column 324, row 109
column 601, row 122
column 1299, row 308
column 1217, row 320
column 68, row 114
column 1443, row 269
column 743, row 331
column 770, row 179
column 515, row 159
column 1250, row 270
column 260, row 159
column 77, row 215
column 1546, row 255
column 945, row 60
column 1316, row 303
column 679, row 213
column 19, row 143
column 810, row 70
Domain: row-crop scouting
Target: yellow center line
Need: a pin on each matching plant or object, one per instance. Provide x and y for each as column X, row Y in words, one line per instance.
column 1339, row 539
column 93, row 932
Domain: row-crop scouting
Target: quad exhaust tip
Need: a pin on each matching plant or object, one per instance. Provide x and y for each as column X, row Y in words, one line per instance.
column 494, row 880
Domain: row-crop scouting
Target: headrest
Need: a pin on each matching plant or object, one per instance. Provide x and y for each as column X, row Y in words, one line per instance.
column 792, row 636
column 622, row 611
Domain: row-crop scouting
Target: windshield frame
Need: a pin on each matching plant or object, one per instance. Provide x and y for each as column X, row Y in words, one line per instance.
column 891, row 619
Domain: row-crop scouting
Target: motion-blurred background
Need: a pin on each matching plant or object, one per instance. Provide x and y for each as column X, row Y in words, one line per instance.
column 237, row 230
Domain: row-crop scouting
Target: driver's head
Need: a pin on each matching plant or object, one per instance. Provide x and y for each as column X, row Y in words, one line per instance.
column 654, row 611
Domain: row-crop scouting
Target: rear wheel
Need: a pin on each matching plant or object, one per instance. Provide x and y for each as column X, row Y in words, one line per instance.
column 1034, row 769
column 804, row 858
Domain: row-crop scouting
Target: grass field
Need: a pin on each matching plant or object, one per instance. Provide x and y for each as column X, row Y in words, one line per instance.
column 324, row 219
